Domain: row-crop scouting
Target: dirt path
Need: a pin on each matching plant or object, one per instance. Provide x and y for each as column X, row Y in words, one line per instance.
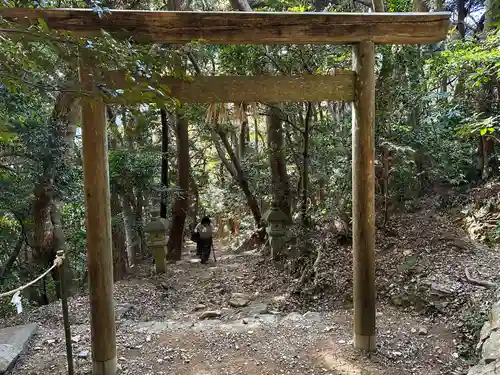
column 159, row 330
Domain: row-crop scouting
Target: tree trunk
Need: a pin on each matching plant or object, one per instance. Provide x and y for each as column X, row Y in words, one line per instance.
column 486, row 98
column 195, row 195
column 462, row 14
column 244, row 134
column 180, row 207
column 164, row 162
column 419, row 6
column 256, row 135
column 12, row 258
column 62, row 131
column 492, row 16
column 132, row 237
column 139, row 218
column 279, row 177
column 322, row 193
column 439, row 6
column 378, row 5
column 305, row 164
column 234, row 142
column 118, row 238
column 181, row 203
column 241, row 5
column 235, row 169
column 319, row 111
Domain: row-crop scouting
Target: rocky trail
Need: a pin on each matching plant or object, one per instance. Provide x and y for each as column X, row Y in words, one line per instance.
column 236, row 316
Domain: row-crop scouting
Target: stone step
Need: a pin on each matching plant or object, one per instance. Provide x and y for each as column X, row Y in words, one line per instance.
column 13, row 342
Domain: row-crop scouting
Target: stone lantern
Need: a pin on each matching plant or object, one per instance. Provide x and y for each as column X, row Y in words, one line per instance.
column 276, row 228
column 157, row 230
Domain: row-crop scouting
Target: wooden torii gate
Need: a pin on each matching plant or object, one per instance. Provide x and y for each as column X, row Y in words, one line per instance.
column 363, row 30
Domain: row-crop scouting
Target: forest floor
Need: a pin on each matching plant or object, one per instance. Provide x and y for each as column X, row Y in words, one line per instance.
column 183, row 323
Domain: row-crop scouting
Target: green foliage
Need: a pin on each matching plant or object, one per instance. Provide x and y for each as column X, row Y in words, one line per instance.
column 473, row 321
column 430, row 136
column 133, row 168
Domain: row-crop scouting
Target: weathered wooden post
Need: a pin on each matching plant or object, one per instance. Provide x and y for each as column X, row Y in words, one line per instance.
column 157, row 229
column 98, row 212
column 363, row 195
column 276, row 222
column 64, row 302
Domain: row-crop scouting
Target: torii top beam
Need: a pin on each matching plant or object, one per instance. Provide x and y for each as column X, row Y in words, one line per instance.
column 244, row 27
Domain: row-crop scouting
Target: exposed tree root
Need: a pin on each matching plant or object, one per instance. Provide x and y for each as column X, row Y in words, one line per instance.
column 478, row 282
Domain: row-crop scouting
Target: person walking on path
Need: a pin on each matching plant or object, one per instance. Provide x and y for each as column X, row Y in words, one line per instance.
column 204, row 232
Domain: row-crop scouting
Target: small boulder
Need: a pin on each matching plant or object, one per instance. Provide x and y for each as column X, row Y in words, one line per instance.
column 482, row 369
column 199, row 307
column 293, row 317
column 238, row 300
column 83, row 354
column 313, row 316
column 491, row 348
column 210, row 314
column 122, row 310
column 422, row 331
column 256, row 309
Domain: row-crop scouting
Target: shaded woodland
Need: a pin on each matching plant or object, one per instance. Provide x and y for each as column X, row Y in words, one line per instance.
column 436, row 115
column 437, row 118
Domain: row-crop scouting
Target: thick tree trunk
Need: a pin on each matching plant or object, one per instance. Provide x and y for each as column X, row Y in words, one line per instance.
column 279, row 177
column 181, row 203
column 180, row 208
column 62, row 131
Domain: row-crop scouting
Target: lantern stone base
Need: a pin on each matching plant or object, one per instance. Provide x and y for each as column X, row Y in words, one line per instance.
column 276, row 242
column 276, row 228
column 158, row 242
column 160, row 255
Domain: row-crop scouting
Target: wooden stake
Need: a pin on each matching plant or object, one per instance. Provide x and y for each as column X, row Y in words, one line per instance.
column 98, row 214
column 64, row 302
column 363, row 194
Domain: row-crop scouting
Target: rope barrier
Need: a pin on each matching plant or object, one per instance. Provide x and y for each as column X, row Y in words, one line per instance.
column 58, row 261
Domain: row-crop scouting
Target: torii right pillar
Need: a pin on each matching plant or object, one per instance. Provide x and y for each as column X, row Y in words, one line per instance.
column 363, row 195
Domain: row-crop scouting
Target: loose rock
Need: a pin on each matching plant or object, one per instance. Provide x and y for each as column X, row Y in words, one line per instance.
column 200, row 307
column 83, row 354
column 239, row 300
column 210, row 314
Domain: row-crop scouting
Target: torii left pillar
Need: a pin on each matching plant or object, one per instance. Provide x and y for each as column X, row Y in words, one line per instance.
column 363, row 195
column 98, row 214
